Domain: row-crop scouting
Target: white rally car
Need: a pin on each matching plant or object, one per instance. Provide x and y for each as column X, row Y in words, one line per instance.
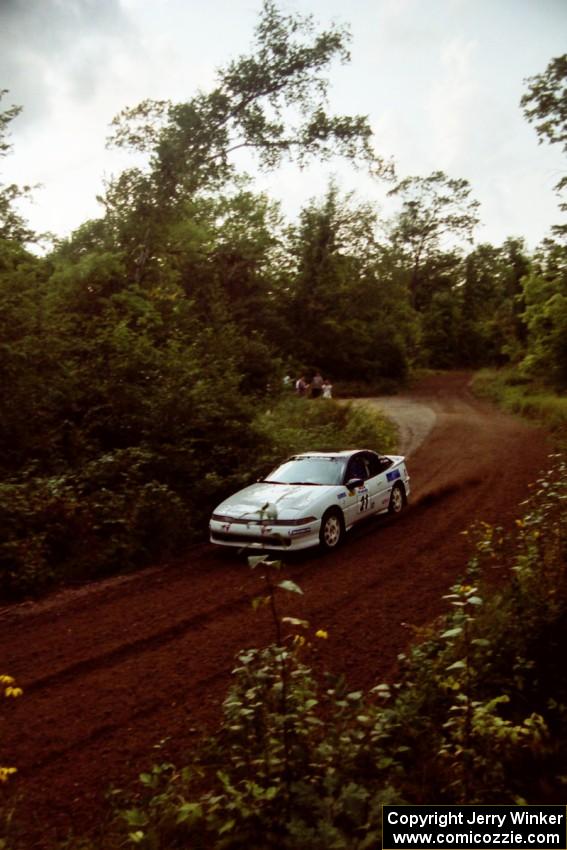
column 311, row 499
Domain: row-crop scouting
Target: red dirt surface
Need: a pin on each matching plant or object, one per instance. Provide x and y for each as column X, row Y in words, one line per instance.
column 112, row 669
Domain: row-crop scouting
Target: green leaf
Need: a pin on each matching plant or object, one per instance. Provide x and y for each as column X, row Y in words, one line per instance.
column 189, row 811
column 355, row 695
column 452, row 632
column 293, row 621
column 258, row 601
column 254, row 560
column 135, row 817
column 290, row 586
column 458, row 665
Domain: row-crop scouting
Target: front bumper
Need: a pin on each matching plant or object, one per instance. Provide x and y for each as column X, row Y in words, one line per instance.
column 264, row 537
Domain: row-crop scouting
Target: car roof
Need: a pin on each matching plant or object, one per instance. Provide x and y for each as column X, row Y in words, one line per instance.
column 344, row 454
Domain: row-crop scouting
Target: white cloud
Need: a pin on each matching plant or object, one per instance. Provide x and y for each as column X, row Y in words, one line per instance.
column 450, row 103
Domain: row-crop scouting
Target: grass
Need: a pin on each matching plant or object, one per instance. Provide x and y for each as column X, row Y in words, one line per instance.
column 516, row 394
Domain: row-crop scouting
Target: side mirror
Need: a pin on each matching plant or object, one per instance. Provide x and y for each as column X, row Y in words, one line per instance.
column 353, row 483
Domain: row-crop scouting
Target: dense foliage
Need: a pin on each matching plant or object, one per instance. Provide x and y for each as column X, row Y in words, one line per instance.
column 479, row 714
column 138, row 356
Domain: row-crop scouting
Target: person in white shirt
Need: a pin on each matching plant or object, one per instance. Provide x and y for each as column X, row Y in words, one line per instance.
column 301, row 386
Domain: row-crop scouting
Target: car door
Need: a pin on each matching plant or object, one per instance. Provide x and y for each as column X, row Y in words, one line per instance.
column 378, row 485
column 358, row 501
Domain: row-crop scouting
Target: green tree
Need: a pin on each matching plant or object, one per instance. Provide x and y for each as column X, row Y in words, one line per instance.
column 546, row 102
column 437, row 214
column 442, row 338
column 545, row 105
column 545, row 296
column 517, row 265
column 24, row 366
column 12, row 224
column 272, row 102
column 25, row 356
column 484, row 291
column 345, row 319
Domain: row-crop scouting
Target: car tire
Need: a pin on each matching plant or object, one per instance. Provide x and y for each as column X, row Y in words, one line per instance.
column 332, row 530
column 397, row 499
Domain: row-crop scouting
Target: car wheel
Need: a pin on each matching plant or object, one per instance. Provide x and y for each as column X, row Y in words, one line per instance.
column 397, row 499
column 332, row 529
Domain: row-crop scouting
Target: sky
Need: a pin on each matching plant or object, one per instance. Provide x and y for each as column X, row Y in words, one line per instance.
column 440, row 82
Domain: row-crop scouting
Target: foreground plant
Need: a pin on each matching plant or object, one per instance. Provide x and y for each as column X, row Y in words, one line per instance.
column 9, row 690
column 488, row 693
column 290, row 766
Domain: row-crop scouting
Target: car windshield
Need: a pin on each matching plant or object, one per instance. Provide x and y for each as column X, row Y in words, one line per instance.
column 309, row 470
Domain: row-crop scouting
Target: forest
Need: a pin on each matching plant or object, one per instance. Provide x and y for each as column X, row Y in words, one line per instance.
column 137, row 354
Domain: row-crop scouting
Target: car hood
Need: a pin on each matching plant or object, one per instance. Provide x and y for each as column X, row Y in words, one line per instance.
column 273, row 501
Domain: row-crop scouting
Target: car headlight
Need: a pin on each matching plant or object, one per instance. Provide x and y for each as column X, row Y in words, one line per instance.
column 301, row 521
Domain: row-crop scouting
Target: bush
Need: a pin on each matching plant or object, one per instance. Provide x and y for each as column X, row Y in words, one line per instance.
column 108, row 517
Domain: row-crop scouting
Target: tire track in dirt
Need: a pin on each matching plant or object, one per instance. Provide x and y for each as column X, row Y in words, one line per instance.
column 105, row 731
column 153, row 642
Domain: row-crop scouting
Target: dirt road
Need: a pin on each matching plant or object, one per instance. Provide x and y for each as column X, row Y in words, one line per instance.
column 111, row 670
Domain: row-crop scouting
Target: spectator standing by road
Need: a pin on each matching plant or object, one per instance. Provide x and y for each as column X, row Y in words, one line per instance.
column 327, row 389
column 301, row 386
column 317, row 385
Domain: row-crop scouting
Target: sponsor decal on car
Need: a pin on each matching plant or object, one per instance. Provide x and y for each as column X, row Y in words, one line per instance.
column 298, row 531
column 391, row 476
column 342, row 496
